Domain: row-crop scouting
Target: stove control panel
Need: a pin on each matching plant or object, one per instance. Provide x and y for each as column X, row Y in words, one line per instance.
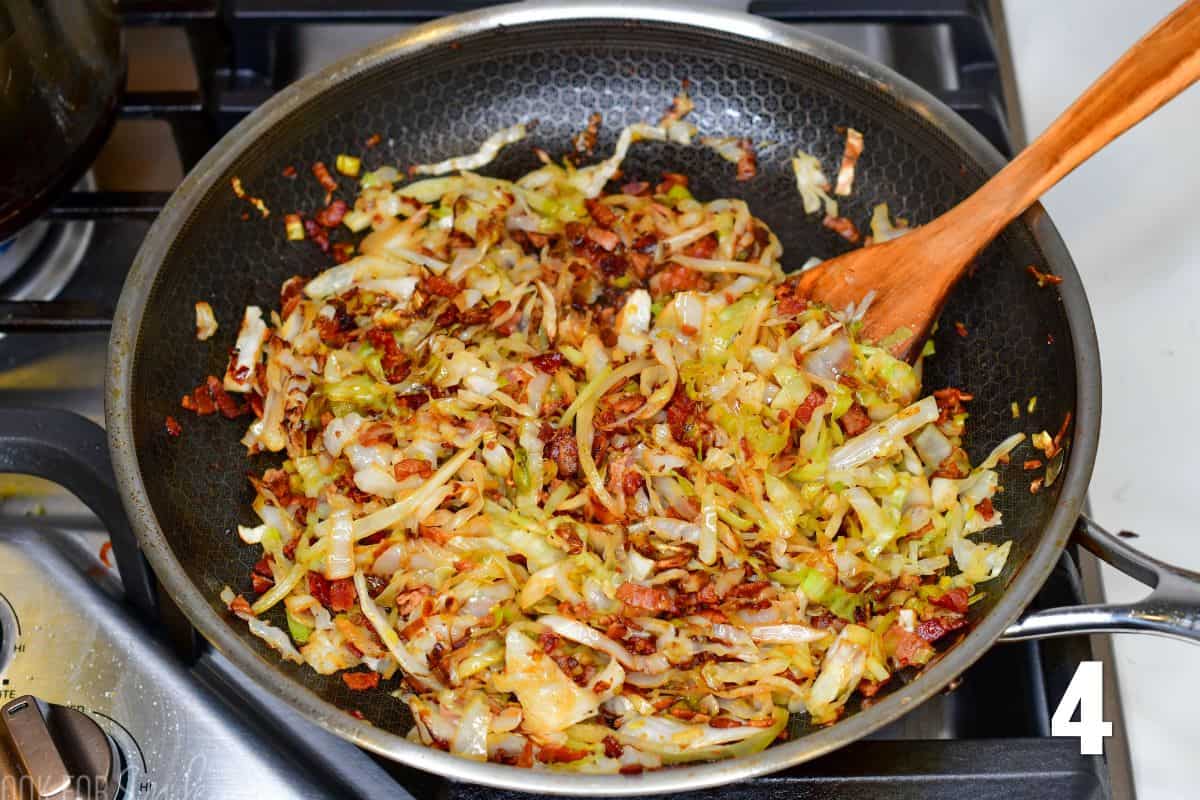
column 52, row 752
column 94, row 708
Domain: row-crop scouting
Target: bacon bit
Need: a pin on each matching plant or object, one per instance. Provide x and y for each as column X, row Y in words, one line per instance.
column 435, row 284
column 985, row 509
column 331, row 215
column 261, row 577
column 788, row 300
column 635, row 188
column 601, row 213
column 584, row 142
column 229, row 408
column 342, row 252
column 361, row 681
column 377, row 583
column 602, row 238
column 172, row 426
column 548, row 641
column 854, row 421
column 815, row 399
column 631, row 482
column 631, row 769
column 1049, row 338
column 950, row 402
column 240, row 605
column 289, row 171
column 954, row 600
column 960, row 329
column 933, row 629
column 318, row 587
column 725, row 722
column 751, row 590
column 950, row 468
column 617, row 631
column 327, row 181
column 395, row 363
column 761, row 722
column 1043, row 278
column 646, row 597
column 1035, row 485
column 843, row 227
column 570, row 539
column 412, row 466
column 409, row 601
column 684, row 418
column 908, row 647
column 1061, row 436
column 290, row 295
column 525, row 759
column 845, row 176
column 675, row 278
column 342, row 595
column 1032, row 464
column 476, row 314
column 1052, row 447
column 373, row 140
column 562, row 448
column 549, row 363
column 318, row 234
column 105, row 551
column 747, row 165
column 557, row 754
column 210, row 396
column 612, row 748
column 702, row 248
column 663, row 703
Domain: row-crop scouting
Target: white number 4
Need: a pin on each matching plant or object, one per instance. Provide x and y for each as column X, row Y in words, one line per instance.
column 1085, row 691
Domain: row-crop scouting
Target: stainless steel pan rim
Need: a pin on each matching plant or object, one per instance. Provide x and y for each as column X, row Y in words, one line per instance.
column 141, row 278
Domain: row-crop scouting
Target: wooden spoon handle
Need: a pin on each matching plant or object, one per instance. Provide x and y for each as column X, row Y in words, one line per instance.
column 1159, row 66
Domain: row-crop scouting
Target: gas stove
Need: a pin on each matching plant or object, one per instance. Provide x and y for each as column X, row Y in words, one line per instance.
column 111, row 705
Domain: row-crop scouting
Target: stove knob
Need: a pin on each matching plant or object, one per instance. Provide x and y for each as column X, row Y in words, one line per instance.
column 52, row 752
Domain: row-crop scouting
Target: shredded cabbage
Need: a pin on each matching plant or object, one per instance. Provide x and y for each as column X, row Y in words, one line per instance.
column 575, row 472
column 813, row 186
column 485, row 155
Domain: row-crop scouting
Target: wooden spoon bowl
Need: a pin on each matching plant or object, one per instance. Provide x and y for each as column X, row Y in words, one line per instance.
column 911, row 276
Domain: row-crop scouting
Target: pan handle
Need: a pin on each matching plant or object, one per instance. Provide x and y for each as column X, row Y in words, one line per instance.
column 72, row 451
column 1171, row 609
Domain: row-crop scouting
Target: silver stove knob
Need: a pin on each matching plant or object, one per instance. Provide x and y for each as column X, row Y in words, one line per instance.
column 51, row 752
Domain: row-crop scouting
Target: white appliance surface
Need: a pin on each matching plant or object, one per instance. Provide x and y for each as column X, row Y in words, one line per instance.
column 1129, row 219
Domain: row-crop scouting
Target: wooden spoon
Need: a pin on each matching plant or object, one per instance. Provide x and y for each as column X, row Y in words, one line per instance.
column 913, row 275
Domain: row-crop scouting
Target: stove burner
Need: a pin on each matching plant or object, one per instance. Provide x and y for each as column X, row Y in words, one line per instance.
column 38, row 261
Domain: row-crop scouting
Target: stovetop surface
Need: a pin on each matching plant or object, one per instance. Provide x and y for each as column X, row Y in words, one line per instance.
column 197, row 728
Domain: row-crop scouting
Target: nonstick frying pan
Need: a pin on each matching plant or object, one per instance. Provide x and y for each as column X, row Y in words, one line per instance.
column 440, row 90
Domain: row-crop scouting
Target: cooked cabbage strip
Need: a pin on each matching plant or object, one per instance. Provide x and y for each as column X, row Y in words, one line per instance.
column 486, row 153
